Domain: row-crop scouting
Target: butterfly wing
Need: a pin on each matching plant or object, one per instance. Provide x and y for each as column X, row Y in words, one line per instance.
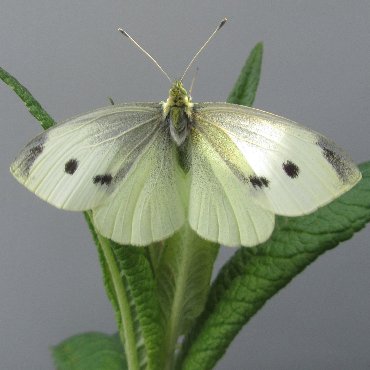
column 223, row 207
column 147, row 206
column 297, row 169
column 85, row 163
column 68, row 164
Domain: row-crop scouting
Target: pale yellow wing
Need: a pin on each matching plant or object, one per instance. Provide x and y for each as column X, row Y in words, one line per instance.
column 223, row 207
column 118, row 161
column 296, row 168
column 148, row 204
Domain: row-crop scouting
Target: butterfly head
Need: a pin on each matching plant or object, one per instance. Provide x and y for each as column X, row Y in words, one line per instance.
column 178, row 96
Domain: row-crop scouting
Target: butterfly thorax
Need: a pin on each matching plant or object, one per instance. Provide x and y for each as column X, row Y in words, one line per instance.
column 177, row 112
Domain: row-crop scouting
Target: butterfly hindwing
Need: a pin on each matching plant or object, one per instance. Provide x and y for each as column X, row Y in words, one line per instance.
column 148, row 204
column 223, row 206
column 302, row 168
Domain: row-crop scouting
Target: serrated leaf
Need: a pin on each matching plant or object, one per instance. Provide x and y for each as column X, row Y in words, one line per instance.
column 253, row 275
column 245, row 88
column 90, row 351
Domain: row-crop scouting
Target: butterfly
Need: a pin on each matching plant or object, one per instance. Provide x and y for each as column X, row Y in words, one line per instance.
column 146, row 169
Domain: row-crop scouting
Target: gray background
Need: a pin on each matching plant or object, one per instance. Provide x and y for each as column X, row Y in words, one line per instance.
column 315, row 71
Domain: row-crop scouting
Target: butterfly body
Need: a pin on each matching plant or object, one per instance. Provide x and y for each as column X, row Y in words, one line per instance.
column 177, row 112
column 144, row 169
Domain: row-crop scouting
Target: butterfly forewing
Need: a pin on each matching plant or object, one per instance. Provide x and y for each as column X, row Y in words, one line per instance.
column 297, row 169
column 77, row 164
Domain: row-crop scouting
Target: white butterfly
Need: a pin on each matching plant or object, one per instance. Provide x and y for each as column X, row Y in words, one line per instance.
column 145, row 169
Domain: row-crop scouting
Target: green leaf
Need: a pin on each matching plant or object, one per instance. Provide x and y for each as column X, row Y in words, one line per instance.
column 184, row 275
column 245, row 88
column 253, row 275
column 31, row 103
column 137, row 277
column 90, row 351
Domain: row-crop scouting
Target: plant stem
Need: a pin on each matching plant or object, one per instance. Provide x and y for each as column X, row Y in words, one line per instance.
column 126, row 328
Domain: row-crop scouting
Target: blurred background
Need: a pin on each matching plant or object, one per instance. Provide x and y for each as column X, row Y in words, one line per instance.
column 71, row 57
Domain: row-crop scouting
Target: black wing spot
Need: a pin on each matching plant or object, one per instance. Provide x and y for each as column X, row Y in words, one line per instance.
column 103, row 179
column 336, row 162
column 30, row 153
column 259, row 182
column 336, row 158
column 71, row 166
column 31, row 157
column 36, row 151
column 291, row 169
column 329, row 154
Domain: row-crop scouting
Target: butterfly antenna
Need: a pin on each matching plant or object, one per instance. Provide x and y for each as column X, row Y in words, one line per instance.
column 193, row 80
column 204, row 45
column 145, row 52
